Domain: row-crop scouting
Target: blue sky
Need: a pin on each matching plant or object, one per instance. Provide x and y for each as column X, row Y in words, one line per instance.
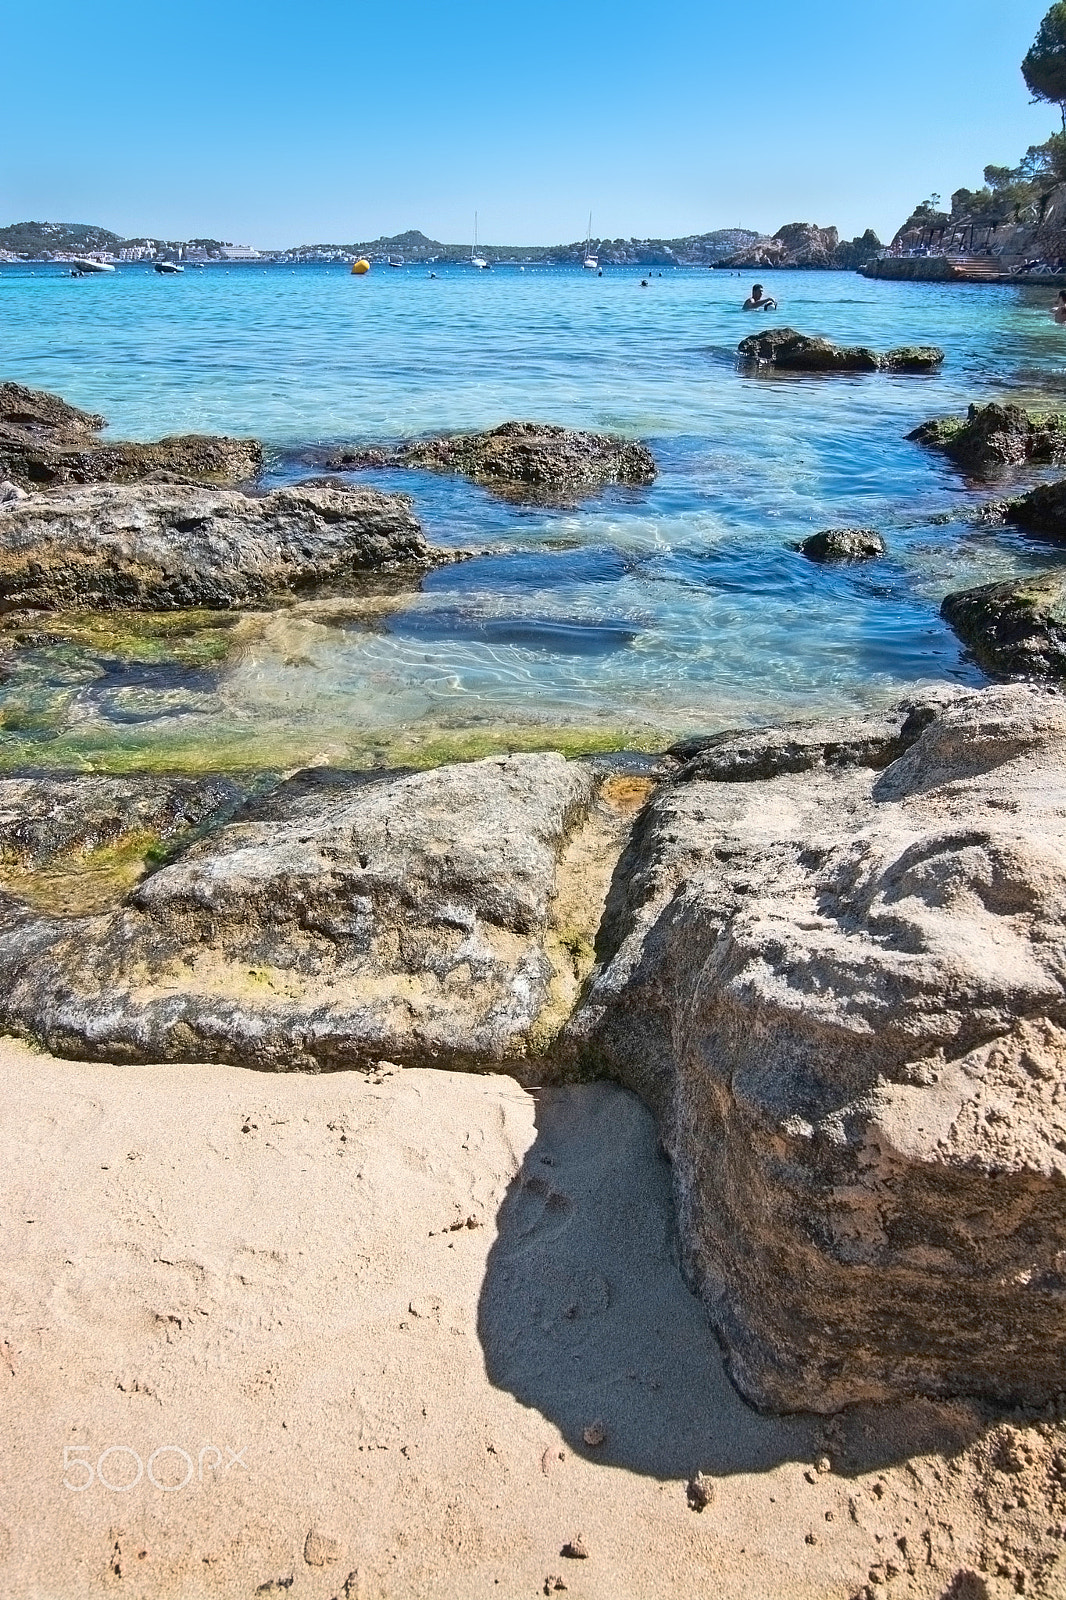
column 280, row 124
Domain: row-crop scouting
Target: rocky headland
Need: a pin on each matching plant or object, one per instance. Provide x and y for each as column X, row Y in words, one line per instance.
column 804, row 245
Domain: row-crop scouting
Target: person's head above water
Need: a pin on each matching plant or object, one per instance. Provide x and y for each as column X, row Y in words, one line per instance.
column 756, row 291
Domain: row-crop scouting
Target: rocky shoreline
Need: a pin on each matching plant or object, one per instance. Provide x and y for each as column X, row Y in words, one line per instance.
column 830, row 957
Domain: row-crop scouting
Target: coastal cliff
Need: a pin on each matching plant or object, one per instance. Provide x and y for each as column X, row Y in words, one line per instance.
column 805, row 245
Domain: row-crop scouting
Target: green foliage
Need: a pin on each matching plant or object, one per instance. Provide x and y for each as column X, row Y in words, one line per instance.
column 39, row 239
column 1044, row 68
column 1010, row 194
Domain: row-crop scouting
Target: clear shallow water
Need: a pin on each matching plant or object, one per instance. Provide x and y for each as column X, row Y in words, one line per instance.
column 639, row 616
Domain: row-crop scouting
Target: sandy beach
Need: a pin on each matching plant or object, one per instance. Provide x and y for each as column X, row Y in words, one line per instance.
column 355, row 1328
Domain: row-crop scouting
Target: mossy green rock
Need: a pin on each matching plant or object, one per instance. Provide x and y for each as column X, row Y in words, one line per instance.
column 1042, row 510
column 790, row 351
column 996, row 436
column 1016, row 628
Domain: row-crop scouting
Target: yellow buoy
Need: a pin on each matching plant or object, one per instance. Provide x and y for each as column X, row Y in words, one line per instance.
column 360, row 266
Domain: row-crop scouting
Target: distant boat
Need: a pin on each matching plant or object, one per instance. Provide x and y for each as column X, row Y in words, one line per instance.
column 393, row 263
column 590, row 260
column 475, row 259
column 86, row 264
column 169, row 267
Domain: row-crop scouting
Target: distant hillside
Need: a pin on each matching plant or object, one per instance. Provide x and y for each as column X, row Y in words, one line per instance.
column 703, row 249
column 797, row 244
column 35, row 239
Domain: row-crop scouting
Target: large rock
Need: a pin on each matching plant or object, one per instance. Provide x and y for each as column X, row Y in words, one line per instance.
column 1042, row 511
column 44, row 443
column 789, row 351
column 161, row 548
column 844, row 991
column 1017, row 628
column 426, row 918
column 996, row 436
column 520, row 460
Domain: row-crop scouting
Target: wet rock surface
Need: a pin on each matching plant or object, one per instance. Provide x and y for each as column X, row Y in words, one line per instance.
column 519, row 460
column 164, row 548
column 790, row 351
column 1017, row 627
column 1042, row 511
column 843, row 544
column 46, row 443
column 996, row 436
column 45, row 817
column 420, row 917
column 871, row 740
column 842, row 989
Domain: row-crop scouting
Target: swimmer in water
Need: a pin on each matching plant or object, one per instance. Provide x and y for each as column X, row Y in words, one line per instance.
column 757, row 301
column 1058, row 310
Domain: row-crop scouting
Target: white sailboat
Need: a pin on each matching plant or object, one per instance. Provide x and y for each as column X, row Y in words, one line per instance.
column 475, row 259
column 590, row 261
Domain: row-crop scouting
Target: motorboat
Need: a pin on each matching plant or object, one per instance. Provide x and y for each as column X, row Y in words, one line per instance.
column 86, row 264
column 169, row 267
column 393, row 263
column 477, row 260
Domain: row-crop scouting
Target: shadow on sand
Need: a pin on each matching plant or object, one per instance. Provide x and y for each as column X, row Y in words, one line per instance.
column 585, row 1316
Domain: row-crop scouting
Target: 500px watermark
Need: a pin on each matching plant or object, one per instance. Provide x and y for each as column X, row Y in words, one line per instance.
column 120, row 1467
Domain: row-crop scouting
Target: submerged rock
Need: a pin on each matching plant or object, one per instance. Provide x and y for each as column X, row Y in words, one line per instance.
column 843, row 991
column 422, row 917
column 912, row 358
column 843, row 544
column 45, row 443
column 996, row 436
column 790, row 351
column 164, row 548
column 519, row 460
column 1017, row 627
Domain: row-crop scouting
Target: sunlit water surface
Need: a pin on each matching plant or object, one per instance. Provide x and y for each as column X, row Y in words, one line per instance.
column 633, row 618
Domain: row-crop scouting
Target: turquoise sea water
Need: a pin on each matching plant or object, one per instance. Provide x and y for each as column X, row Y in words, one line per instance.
column 640, row 615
